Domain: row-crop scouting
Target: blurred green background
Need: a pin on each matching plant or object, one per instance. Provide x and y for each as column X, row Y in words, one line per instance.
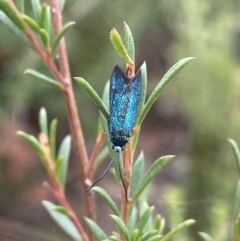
column 192, row 119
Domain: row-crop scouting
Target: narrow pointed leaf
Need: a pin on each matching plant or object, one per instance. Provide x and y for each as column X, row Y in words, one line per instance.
column 13, row 28
column 104, row 121
column 113, row 238
column 177, row 229
column 119, row 46
column 151, row 174
column 31, row 23
column 62, row 3
column 154, row 238
column 121, row 226
column 149, row 223
column 33, row 141
column 45, row 38
column 135, row 234
column 148, row 235
column 52, row 138
column 236, row 212
column 43, row 123
column 20, row 5
column 237, row 228
column 161, row 85
column 157, row 223
column 143, row 220
column 101, row 157
column 132, row 219
column 36, row 6
column 62, row 33
column 58, row 168
column 12, row 14
column 104, row 195
column 45, row 21
column 141, row 101
column 62, row 220
column 39, row 75
column 137, row 174
column 143, row 90
column 163, row 223
column 64, row 152
column 96, row 230
column 97, row 100
column 205, row 236
column 62, row 210
column 129, row 42
column 236, row 153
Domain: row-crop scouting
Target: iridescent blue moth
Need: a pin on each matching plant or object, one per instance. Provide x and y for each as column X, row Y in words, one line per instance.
column 124, row 98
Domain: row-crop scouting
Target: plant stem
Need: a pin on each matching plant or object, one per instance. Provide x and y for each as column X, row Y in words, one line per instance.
column 58, row 190
column 127, row 170
column 95, row 152
column 64, row 77
column 72, row 108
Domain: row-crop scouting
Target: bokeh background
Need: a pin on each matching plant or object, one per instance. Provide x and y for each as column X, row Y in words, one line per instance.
column 192, row 119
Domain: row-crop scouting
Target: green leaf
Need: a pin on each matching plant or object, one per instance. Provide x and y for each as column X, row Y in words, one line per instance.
column 31, row 23
column 121, row 226
column 20, row 5
column 33, row 142
column 145, row 193
column 13, row 28
column 39, row 75
column 129, row 42
column 96, row 230
column 237, row 228
column 144, row 219
column 147, row 235
column 62, row 210
column 151, row 173
column 149, row 223
column 105, row 99
column 141, row 101
column 163, row 223
column 158, row 223
column 58, row 168
column 101, row 157
column 236, row 153
column 64, row 152
column 135, row 234
column 236, row 211
column 137, row 174
column 143, row 90
column 132, row 219
column 62, row 3
column 161, row 85
column 115, row 236
column 104, row 195
column 105, row 95
column 52, row 138
column 177, row 229
column 118, row 45
column 97, row 100
column 62, row 220
column 154, row 238
column 43, row 123
column 205, row 236
column 62, row 33
column 37, row 9
column 12, row 14
column 45, row 21
column 45, row 38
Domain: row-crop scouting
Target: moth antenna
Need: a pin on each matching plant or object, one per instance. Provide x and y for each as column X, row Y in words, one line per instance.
column 103, row 174
column 121, row 176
